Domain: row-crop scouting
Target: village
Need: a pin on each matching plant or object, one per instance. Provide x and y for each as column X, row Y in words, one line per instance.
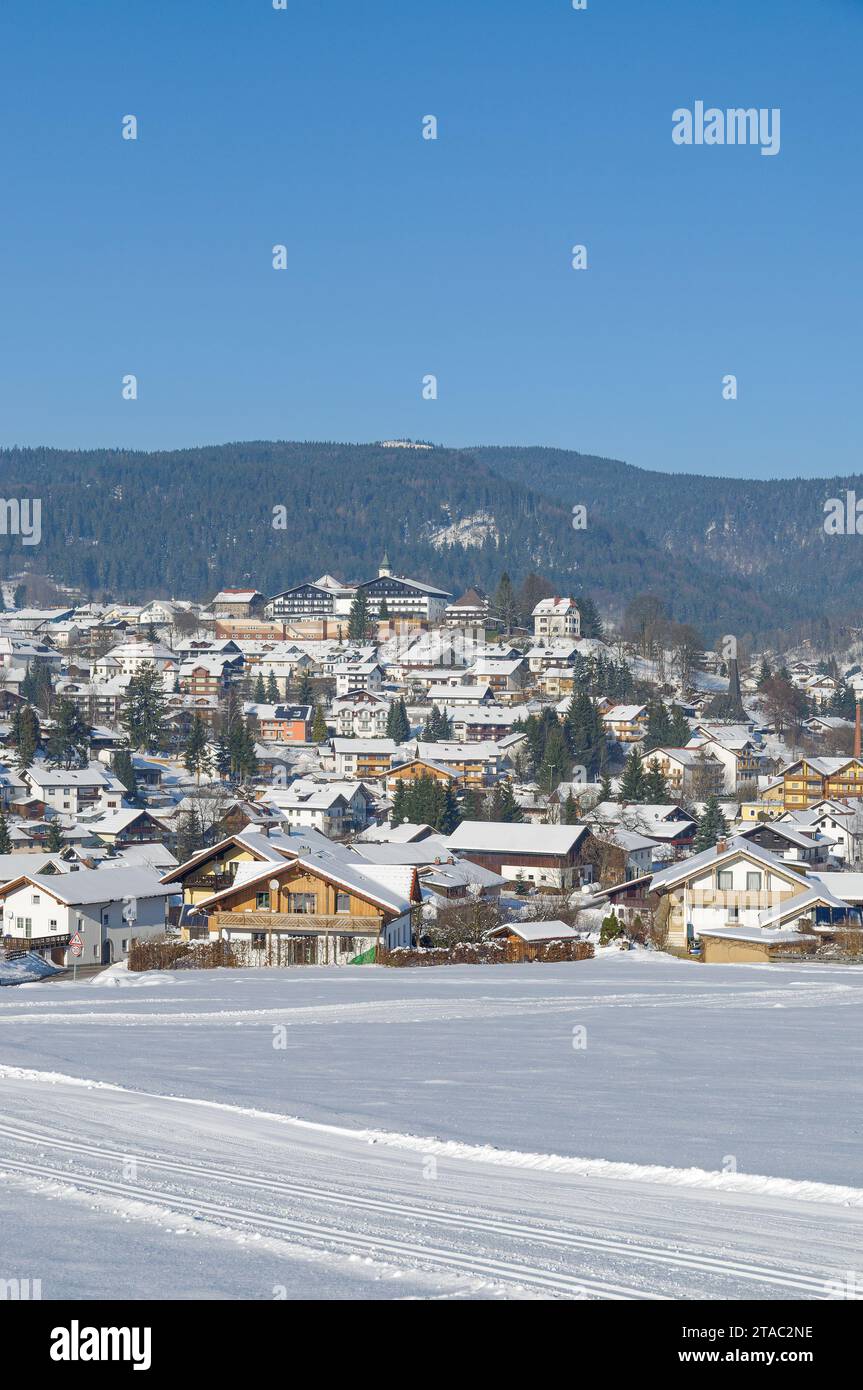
column 350, row 773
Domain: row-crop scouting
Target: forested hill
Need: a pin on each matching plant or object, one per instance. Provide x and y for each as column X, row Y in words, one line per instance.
column 735, row 556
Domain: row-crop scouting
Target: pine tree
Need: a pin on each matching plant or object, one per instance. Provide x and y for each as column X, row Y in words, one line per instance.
column 659, row 727
column 144, row 716
column 711, row 827
column 222, row 756
column 359, row 618
column 605, row 790
column 260, row 690
column 397, row 813
column 585, row 734
column 398, row 724
column 656, row 791
column 435, row 726
column 508, row 808
column 69, row 740
column 5, row 841
column 272, row 695
column 383, row 611
column 124, row 769
column 591, row 623
column 320, row 732
column 632, row 781
column 473, row 805
column 26, row 736
column 681, row 731
column 305, row 690
column 195, row 750
column 54, row 840
column 450, row 816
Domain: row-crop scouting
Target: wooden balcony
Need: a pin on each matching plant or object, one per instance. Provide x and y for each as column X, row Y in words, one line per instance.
column 299, row 923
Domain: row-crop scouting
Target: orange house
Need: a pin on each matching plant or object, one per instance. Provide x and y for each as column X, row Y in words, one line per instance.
column 285, row 723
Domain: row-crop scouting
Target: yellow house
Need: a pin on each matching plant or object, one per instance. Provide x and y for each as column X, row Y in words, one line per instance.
column 216, row 867
column 811, row 780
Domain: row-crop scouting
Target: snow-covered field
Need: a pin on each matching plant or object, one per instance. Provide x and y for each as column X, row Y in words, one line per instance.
column 632, row 1126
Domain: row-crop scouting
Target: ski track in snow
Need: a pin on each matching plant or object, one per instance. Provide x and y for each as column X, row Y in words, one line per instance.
column 337, row 1205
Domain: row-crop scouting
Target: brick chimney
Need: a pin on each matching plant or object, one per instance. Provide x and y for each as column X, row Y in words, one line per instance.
column 721, row 846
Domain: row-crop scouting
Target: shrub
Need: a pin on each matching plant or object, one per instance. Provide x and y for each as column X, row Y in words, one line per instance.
column 610, row 929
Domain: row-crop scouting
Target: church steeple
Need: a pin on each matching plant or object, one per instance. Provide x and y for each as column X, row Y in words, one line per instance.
column 384, row 571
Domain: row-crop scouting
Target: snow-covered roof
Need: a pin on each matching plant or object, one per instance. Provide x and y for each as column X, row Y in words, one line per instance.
column 96, row 885
column 554, row 930
column 513, row 838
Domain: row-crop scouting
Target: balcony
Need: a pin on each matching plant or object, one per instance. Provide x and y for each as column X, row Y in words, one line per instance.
column 299, row 923
column 212, row 883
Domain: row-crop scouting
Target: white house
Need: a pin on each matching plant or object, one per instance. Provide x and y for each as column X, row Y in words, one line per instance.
column 556, row 617
column 107, row 907
column 78, row 789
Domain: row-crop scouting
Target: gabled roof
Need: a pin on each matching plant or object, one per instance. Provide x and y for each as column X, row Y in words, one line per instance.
column 735, row 848
column 87, row 886
column 344, row 874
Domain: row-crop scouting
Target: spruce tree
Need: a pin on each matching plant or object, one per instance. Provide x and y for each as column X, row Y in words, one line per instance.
column 398, row 724
column 656, row 791
column 359, row 618
column 272, row 692
column 681, row 731
column 144, row 716
column 711, row 827
column 124, row 769
column 508, row 808
column 632, row 781
column 222, row 756
column 260, row 690
column 450, row 816
column 320, row 732
column 5, row 841
column 305, row 689
column 69, row 741
column 26, row 736
column 195, row 750
column 590, row 622
column 54, row 840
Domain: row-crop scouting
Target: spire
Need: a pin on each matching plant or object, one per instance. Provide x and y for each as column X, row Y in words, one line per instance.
column 385, row 571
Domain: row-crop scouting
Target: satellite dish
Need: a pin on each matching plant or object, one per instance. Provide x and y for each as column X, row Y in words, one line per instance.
column 274, row 885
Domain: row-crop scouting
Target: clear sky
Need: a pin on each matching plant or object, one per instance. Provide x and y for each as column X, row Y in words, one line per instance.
column 452, row 257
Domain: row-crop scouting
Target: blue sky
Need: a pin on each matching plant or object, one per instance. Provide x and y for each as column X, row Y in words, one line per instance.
column 451, row 257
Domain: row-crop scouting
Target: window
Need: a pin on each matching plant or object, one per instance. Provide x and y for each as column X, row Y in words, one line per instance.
column 36, row 899
column 302, row 902
column 725, row 879
column 259, row 939
column 53, row 923
column 343, row 902
column 262, row 901
column 753, row 882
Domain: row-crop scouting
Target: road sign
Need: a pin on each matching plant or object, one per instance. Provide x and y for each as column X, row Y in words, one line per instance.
column 76, row 945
